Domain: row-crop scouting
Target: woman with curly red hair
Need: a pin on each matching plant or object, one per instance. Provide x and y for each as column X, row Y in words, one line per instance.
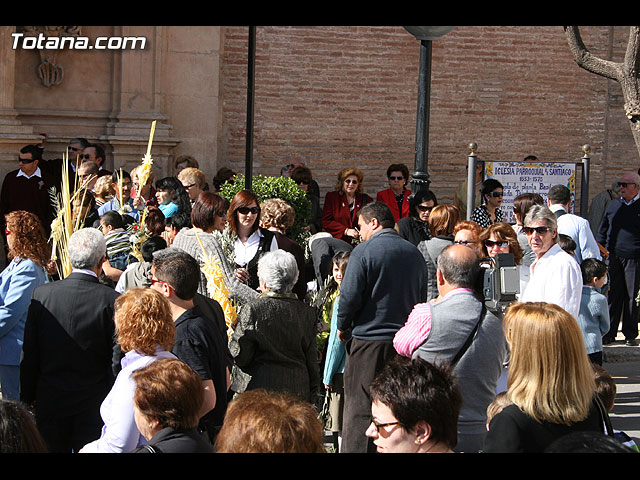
column 29, row 255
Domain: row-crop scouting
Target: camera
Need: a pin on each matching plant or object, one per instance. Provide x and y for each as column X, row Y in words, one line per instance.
column 500, row 281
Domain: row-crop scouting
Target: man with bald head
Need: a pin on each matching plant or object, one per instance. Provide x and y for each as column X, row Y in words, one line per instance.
column 619, row 232
column 458, row 329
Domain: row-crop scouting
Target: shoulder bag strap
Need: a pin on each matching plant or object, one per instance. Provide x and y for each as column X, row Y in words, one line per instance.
column 472, row 335
column 604, row 415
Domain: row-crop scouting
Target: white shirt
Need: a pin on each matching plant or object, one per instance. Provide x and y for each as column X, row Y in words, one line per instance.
column 37, row 173
column 555, row 278
column 579, row 229
column 246, row 251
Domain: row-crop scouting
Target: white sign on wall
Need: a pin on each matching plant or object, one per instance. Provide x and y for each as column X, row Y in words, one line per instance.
column 529, row 177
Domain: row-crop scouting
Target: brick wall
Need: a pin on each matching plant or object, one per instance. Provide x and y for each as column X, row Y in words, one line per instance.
column 341, row 96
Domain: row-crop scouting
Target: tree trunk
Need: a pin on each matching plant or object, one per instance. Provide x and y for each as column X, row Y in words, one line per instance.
column 625, row 73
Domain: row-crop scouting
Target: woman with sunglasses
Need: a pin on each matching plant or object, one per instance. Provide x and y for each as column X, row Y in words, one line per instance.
column 489, row 212
column 415, row 227
column 251, row 241
column 467, row 233
column 209, row 214
column 29, row 254
column 397, row 195
column 501, row 238
column 555, row 275
column 342, row 206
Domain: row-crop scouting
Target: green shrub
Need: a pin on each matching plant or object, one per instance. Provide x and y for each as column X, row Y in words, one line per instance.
column 283, row 188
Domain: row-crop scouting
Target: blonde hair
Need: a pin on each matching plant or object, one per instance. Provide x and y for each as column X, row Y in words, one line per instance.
column 277, row 213
column 192, row 175
column 550, row 376
column 346, row 172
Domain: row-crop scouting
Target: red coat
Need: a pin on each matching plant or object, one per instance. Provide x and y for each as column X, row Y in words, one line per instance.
column 387, row 196
column 336, row 216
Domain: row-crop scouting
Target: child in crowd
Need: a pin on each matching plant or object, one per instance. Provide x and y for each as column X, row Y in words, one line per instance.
column 594, row 310
column 117, row 238
column 607, row 389
column 336, row 353
column 567, row 243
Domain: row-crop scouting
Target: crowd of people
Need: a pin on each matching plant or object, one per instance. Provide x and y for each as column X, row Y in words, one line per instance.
column 218, row 332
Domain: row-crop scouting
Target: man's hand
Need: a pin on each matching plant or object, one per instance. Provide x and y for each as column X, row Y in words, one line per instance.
column 344, row 335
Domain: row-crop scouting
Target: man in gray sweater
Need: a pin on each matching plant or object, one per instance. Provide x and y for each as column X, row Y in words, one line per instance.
column 450, row 322
column 385, row 277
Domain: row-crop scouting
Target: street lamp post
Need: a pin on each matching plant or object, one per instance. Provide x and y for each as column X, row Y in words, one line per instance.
column 420, row 178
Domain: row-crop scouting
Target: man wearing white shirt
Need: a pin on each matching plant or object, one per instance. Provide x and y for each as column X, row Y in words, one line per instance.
column 578, row 228
column 555, row 275
column 27, row 188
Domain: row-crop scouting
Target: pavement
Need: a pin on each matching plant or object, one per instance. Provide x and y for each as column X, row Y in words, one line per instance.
column 619, row 352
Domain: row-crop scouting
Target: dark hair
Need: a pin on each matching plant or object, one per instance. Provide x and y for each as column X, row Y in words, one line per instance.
column 99, row 151
column 418, row 198
column 587, row 442
column 398, row 167
column 178, row 220
column 379, row 211
column 205, row 209
column 559, row 194
column 18, row 432
column 523, row 202
column 34, row 150
column 115, row 176
column 154, row 220
column 222, row 176
column 81, row 140
column 113, row 219
column 461, row 271
column 567, row 243
column 301, row 174
column 417, row 390
column 180, row 197
column 606, row 386
column 488, row 186
column 179, row 269
column 592, row 267
column 152, row 245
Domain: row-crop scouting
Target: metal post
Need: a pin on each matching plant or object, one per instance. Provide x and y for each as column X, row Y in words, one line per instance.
column 471, row 179
column 584, row 188
column 420, row 181
column 248, row 161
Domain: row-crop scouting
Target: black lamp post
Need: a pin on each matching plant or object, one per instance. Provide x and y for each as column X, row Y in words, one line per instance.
column 420, row 181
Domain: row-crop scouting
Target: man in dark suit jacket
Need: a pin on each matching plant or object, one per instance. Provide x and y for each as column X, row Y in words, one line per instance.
column 66, row 370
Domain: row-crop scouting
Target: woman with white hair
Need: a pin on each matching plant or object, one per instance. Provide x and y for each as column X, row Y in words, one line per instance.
column 274, row 338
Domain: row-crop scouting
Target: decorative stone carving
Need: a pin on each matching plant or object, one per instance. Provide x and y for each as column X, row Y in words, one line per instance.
column 50, row 72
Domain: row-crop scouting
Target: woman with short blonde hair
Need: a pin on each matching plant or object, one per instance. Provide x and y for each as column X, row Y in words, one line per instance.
column 550, row 383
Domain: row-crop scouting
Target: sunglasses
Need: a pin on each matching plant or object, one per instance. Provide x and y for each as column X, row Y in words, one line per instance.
column 538, row 230
column 382, row 425
column 396, row 178
column 496, row 194
column 491, row 243
column 303, row 182
column 154, row 281
column 625, row 184
column 422, row 208
column 463, row 242
column 348, row 180
column 26, row 160
column 187, row 187
column 246, row 210
column 84, row 156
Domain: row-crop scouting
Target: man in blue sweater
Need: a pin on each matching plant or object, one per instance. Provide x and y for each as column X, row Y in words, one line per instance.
column 385, row 277
column 619, row 232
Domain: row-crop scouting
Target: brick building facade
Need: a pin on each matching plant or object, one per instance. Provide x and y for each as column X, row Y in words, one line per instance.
column 340, row 95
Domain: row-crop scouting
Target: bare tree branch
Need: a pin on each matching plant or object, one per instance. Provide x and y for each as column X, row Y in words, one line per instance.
column 587, row 60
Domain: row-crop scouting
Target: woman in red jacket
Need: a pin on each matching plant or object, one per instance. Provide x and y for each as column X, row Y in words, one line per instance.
column 397, row 195
column 342, row 206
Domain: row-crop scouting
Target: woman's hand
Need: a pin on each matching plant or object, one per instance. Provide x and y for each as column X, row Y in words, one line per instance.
column 352, row 232
column 242, row 274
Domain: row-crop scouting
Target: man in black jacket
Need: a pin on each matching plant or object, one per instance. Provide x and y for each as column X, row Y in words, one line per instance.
column 66, row 370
